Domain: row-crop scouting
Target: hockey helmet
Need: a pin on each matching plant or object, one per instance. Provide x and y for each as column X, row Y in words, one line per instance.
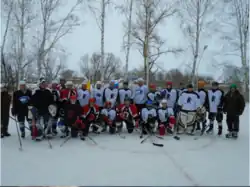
column 73, row 97
column 92, row 100
column 108, row 104
column 201, row 84
column 152, row 87
column 169, row 83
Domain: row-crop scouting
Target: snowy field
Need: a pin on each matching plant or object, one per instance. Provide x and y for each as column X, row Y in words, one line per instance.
column 115, row 161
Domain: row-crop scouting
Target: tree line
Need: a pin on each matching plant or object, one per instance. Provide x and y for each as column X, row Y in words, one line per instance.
column 33, row 30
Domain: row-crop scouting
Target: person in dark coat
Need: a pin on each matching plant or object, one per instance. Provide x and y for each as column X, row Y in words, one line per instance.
column 21, row 100
column 234, row 105
column 5, row 111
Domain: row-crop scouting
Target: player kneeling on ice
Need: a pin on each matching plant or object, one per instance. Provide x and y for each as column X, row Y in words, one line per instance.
column 188, row 104
column 166, row 118
column 72, row 113
column 127, row 113
column 90, row 116
column 234, row 105
column 148, row 116
column 108, row 115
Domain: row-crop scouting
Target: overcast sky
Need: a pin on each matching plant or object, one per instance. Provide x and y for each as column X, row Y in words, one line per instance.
column 86, row 39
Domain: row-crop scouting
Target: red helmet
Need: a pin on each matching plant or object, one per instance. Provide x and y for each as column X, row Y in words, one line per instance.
column 169, row 83
column 92, row 100
column 152, row 86
column 108, row 103
column 73, row 97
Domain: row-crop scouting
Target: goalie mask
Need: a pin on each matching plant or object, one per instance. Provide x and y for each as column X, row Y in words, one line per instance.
column 52, row 110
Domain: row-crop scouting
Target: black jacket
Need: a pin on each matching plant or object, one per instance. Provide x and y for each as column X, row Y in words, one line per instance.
column 41, row 99
column 71, row 112
column 21, row 101
column 5, row 104
column 234, row 103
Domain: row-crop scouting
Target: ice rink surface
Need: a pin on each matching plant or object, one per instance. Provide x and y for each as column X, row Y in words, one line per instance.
column 210, row 160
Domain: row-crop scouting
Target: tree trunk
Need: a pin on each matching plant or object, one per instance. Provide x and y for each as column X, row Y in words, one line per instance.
column 197, row 42
column 129, row 37
column 102, row 39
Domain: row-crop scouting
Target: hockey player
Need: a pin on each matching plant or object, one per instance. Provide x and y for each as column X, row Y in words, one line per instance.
column 188, row 104
column 166, row 118
column 69, row 91
column 215, row 104
column 41, row 100
column 97, row 93
column 5, row 111
column 170, row 94
column 140, row 95
column 148, row 116
column 124, row 93
column 56, row 102
column 110, row 94
column 127, row 113
column 90, row 114
column 62, row 85
column 154, row 95
column 83, row 94
column 21, row 100
column 73, row 112
column 234, row 105
column 203, row 105
column 108, row 115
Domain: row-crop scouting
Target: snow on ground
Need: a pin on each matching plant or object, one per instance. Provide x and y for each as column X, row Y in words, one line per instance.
column 115, row 161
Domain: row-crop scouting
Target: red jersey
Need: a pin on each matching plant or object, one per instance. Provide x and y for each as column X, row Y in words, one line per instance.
column 131, row 109
column 86, row 110
column 66, row 93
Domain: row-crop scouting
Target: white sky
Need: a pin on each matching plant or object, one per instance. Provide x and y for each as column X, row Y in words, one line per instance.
column 86, row 39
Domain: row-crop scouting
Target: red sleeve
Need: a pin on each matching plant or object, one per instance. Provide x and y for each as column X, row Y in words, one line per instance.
column 133, row 110
column 96, row 108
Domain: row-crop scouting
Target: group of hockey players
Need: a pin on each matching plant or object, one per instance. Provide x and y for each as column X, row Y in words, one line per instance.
column 74, row 112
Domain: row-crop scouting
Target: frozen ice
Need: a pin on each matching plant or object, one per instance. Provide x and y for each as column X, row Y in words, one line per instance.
column 210, row 160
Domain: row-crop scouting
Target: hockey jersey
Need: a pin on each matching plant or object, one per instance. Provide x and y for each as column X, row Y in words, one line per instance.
column 189, row 101
column 123, row 93
column 83, row 97
column 171, row 95
column 140, row 94
column 215, row 100
column 98, row 95
column 131, row 109
column 203, row 97
column 164, row 113
column 110, row 95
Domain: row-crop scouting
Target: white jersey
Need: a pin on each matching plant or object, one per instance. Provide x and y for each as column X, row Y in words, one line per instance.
column 123, row 93
column 98, row 95
column 171, row 96
column 164, row 113
column 140, row 94
column 215, row 100
column 203, row 96
column 110, row 95
column 83, row 96
column 189, row 101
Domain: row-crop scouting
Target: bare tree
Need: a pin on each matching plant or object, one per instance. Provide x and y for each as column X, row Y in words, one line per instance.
column 54, row 64
column 236, row 20
column 92, row 68
column 53, row 29
column 21, row 16
column 7, row 6
column 194, row 22
column 100, row 17
column 149, row 15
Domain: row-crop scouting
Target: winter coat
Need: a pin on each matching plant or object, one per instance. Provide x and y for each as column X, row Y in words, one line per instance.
column 21, row 101
column 5, row 104
column 233, row 103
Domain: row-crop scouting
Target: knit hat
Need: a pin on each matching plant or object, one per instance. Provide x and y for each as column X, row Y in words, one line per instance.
column 233, row 86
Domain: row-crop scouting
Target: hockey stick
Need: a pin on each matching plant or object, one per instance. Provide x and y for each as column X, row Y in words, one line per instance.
column 19, row 137
column 65, row 141
column 92, row 140
column 150, row 136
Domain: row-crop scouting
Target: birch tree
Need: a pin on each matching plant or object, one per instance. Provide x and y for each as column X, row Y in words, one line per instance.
column 150, row 14
column 20, row 20
column 98, row 9
column 7, row 6
column 194, row 23
column 235, row 33
column 54, row 28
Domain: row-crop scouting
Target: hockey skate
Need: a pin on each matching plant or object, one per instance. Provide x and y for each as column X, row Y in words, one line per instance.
column 229, row 135
column 219, row 130
column 210, row 130
column 235, row 135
